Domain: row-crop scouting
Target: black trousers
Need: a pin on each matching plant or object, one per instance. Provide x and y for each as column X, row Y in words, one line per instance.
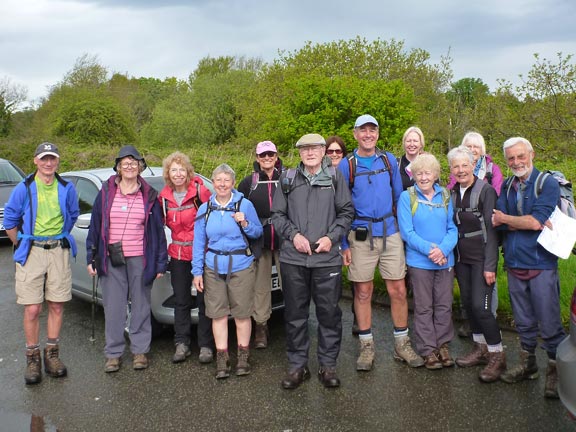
column 299, row 286
column 476, row 297
column 181, row 274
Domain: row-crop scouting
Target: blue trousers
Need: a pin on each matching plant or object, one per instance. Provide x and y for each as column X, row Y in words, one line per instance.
column 536, row 306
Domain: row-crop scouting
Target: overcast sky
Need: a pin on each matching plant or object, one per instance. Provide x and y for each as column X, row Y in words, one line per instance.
column 40, row 40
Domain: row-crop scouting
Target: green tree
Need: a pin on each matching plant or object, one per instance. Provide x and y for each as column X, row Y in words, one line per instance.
column 11, row 96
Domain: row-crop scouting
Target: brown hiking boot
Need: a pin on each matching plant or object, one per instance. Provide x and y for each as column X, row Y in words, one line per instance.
column 527, row 369
column 496, row 366
column 261, row 336
column 140, row 362
column 432, row 361
column 366, row 357
column 33, row 373
column 403, row 351
column 52, row 363
column 243, row 367
column 551, row 386
column 478, row 356
column 445, row 357
column 222, row 364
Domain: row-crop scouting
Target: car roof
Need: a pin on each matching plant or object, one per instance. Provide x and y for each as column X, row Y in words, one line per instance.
column 103, row 174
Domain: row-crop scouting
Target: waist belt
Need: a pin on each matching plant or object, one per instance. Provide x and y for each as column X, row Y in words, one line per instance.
column 372, row 220
column 179, row 243
column 227, row 253
column 47, row 244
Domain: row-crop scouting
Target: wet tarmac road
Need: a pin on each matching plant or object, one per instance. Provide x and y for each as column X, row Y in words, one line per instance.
column 186, row 397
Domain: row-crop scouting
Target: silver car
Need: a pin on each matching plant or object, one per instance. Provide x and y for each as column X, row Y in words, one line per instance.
column 10, row 176
column 88, row 183
column 566, row 363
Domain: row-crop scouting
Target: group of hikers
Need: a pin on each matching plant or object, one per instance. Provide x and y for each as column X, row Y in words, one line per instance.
column 363, row 209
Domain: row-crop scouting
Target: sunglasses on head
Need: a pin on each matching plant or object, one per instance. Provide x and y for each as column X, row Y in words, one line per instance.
column 267, row 154
column 334, row 151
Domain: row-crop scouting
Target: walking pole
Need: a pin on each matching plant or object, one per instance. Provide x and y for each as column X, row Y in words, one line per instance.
column 92, row 338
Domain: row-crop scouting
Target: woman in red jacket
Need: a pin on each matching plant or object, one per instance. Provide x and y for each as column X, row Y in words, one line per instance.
column 183, row 194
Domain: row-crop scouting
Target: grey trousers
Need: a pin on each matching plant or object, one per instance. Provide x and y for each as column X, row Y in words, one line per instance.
column 433, row 298
column 120, row 285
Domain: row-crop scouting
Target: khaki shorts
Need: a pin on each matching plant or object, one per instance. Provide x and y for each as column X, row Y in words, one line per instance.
column 46, row 275
column 235, row 298
column 391, row 261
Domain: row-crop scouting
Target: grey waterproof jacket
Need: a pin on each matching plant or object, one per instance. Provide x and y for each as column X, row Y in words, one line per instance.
column 317, row 209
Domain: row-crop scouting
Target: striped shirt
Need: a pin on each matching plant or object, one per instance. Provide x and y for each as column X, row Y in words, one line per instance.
column 127, row 222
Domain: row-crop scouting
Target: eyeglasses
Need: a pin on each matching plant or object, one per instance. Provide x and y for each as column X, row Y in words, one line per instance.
column 126, row 165
column 269, row 154
column 334, row 151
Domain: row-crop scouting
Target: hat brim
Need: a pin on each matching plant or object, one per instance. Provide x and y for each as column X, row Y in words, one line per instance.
column 48, row 153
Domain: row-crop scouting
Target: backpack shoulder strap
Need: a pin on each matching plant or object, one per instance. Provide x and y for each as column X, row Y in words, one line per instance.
column 197, row 199
column 539, row 183
column 288, row 180
column 254, row 182
column 351, row 169
column 445, row 197
column 413, row 199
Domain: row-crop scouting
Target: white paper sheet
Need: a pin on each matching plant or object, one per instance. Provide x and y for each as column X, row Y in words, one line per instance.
column 560, row 240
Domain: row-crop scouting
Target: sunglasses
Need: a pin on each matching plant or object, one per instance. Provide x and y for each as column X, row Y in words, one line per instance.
column 334, row 151
column 269, row 154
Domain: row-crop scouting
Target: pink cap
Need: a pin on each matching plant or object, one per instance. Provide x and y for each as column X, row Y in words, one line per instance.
column 265, row 146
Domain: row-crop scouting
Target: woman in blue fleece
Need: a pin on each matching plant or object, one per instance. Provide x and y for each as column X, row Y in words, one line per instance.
column 223, row 266
column 426, row 225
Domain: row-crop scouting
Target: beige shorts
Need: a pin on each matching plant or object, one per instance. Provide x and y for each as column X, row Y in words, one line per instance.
column 235, row 298
column 46, row 275
column 390, row 261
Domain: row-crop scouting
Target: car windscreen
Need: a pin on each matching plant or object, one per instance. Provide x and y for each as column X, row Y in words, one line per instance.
column 157, row 182
column 9, row 174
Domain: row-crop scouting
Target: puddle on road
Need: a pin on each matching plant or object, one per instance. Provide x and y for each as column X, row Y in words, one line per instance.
column 21, row 422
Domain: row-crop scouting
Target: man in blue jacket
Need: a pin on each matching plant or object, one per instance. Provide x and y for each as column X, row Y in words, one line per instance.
column 374, row 240
column 38, row 218
column 522, row 212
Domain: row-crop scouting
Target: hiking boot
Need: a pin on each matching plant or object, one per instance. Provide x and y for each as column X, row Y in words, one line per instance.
column 496, row 366
column 432, row 361
column 53, row 366
column 182, row 351
column 366, row 357
column 261, row 336
column 293, row 379
column 33, row 373
column 222, row 364
column 551, row 386
column 404, row 352
column 112, row 365
column 445, row 357
column 206, row 355
column 243, row 367
column 464, row 331
column 527, row 369
column 328, row 377
column 140, row 362
column 478, row 356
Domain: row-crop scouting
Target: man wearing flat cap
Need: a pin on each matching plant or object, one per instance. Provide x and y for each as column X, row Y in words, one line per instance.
column 312, row 211
column 38, row 218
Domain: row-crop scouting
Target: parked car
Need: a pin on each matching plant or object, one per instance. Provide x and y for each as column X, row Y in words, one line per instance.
column 88, row 183
column 10, row 176
column 566, row 363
